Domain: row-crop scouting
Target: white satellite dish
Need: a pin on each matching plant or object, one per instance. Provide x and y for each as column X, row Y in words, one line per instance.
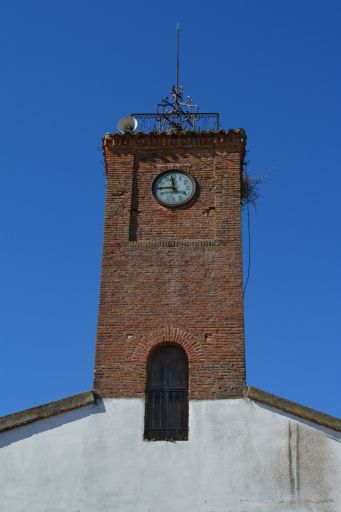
column 127, row 124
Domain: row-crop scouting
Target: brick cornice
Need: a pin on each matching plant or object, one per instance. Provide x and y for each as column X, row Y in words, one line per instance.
column 235, row 138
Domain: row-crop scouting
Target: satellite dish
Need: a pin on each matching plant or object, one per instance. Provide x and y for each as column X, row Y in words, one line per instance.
column 127, row 124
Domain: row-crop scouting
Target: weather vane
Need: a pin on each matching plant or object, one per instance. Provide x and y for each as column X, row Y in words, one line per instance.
column 174, row 113
column 174, row 110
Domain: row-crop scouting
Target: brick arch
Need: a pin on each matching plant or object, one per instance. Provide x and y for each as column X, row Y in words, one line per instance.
column 189, row 343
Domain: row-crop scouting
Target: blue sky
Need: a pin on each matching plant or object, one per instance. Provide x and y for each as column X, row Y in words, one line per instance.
column 69, row 71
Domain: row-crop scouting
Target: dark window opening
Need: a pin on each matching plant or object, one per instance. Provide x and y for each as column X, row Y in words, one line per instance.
column 166, row 416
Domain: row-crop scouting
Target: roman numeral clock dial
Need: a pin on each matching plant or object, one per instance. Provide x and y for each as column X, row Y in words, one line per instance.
column 173, row 188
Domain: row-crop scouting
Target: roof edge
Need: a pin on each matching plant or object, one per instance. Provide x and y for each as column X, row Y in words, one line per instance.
column 234, row 136
column 79, row 400
column 40, row 412
column 293, row 408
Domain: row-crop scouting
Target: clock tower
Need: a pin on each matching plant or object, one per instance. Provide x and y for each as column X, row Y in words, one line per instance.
column 172, row 255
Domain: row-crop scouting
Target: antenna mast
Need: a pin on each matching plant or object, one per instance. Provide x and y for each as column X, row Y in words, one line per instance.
column 177, row 54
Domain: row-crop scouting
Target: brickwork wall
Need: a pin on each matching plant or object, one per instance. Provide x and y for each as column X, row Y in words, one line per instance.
column 172, row 274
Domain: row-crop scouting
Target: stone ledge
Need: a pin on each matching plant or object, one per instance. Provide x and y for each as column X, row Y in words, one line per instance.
column 46, row 410
column 226, row 395
column 293, row 408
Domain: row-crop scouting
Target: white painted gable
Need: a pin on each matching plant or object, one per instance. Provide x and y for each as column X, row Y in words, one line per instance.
column 240, row 457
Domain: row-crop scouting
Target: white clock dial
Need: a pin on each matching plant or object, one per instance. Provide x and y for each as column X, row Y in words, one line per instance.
column 173, row 188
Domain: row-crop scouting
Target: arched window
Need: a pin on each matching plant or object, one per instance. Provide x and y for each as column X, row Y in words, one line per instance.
column 166, row 416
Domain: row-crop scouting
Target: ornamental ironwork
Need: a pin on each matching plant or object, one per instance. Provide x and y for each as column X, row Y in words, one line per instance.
column 176, row 113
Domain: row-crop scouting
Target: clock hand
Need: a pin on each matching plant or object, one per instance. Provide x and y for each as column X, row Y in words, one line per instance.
column 160, row 188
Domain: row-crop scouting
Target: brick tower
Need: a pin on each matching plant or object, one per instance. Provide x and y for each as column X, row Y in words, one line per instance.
column 172, row 263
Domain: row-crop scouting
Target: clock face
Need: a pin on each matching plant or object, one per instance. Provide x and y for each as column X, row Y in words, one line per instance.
column 173, row 187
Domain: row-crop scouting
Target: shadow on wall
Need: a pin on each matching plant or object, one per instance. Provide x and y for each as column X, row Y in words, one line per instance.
column 37, row 427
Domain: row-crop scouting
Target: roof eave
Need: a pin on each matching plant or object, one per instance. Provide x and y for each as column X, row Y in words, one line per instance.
column 46, row 410
column 293, row 408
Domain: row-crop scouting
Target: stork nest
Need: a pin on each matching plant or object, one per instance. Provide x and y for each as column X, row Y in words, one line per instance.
column 250, row 188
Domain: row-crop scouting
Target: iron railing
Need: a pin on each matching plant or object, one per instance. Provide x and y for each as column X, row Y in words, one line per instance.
column 163, row 122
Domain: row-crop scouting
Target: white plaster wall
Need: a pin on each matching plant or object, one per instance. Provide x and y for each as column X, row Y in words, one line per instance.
column 241, row 457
